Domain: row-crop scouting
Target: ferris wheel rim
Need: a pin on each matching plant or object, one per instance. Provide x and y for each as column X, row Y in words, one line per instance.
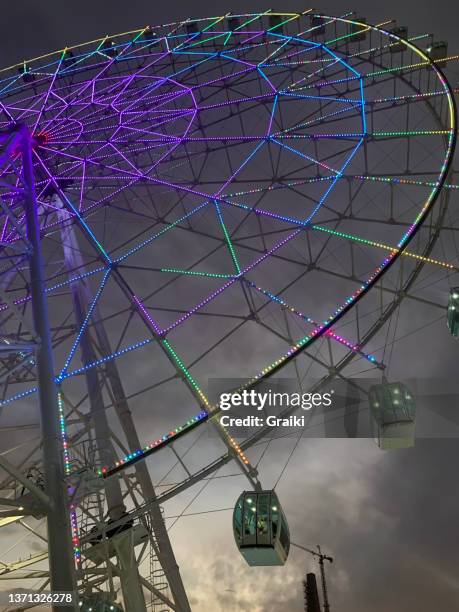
column 432, row 198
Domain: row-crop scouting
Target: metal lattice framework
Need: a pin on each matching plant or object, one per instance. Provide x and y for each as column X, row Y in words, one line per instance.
column 216, row 197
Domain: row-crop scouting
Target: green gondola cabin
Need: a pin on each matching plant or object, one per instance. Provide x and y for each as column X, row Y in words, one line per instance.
column 393, row 409
column 260, row 529
column 453, row 312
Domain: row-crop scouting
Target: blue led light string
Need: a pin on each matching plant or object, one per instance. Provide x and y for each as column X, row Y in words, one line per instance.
column 84, row 325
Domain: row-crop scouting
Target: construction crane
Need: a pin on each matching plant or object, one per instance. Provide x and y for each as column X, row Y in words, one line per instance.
column 322, row 558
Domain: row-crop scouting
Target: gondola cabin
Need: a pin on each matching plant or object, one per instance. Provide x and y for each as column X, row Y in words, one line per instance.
column 438, row 52
column 399, row 46
column 358, row 32
column 453, row 312
column 394, row 411
column 260, row 529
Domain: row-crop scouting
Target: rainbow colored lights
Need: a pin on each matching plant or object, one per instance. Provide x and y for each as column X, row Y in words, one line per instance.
column 68, row 471
column 386, row 247
column 148, row 103
column 147, row 450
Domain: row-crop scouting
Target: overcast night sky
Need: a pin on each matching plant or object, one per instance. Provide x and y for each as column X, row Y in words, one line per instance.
column 388, row 519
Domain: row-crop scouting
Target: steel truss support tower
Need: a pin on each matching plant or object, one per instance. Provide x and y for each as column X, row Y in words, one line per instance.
column 131, row 584
column 61, row 562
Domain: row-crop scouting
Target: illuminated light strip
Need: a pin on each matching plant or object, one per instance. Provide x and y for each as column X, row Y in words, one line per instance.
column 102, row 360
column 195, row 273
column 147, row 315
column 186, row 372
column 68, row 471
column 224, row 139
column 85, row 323
column 237, row 448
column 246, row 23
column 411, row 133
column 75, row 211
column 382, row 179
column 200, row 42
column 318, row 331
column 362, row 31
column 18, row 396
column 409, row 66
column 228, row 239
column 295, row 16
column 67, row 466
column 204, row 399
column 354, row 347
column 54, row 287
column 403, row 181
column 388, row 46
column 369, row 75
column 422, row 96
column 304, row 156
column 318, row 136
column 285, row 133
column 280, row 186
column 289, row 94
column 147, row 450
column 384, row 246
column 218, row 291
column 160, row 233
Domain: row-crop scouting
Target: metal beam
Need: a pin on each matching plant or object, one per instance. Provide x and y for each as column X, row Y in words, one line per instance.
column 61, row 560
column 28, row 484
column 164, row 550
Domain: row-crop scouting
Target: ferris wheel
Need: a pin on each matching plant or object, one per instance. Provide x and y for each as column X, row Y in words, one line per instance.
column 235, row 197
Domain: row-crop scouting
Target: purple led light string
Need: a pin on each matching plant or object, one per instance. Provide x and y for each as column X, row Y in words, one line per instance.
column 92, row 82
column 48, row 93
column 161, row 140
column 266, row 96
column 147, row 315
